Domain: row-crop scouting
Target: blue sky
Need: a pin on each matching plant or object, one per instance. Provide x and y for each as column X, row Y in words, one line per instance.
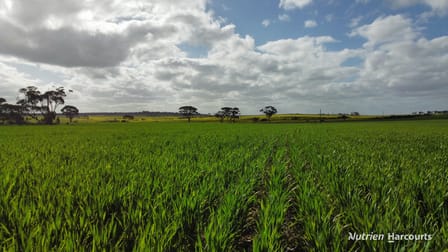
column 334, row 18
column 374, row 57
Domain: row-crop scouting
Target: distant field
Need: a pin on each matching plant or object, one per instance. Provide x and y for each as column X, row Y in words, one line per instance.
column 280, row 118
column 223, row 187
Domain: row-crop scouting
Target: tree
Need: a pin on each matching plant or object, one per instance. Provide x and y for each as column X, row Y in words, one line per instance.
column 33, row 102
column 52, row 99
column 188, row 112
column 269, row 111
column 11, row 112
column 70, row 112
column 229, row 113
column 31, row 97
column 3, row 116
column 234, row 114
column 221, row 115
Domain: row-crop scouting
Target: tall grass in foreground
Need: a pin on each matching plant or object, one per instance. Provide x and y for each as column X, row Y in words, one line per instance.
column 223, row 187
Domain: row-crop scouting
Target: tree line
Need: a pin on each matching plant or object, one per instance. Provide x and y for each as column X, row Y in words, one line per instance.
column 229, row 113
column 41, row 106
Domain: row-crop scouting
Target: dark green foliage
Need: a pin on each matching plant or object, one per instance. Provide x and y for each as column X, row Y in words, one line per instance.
column 70, row 112
column 188, row 112
column 229, row 113
column 269, row 111
column 32, row 103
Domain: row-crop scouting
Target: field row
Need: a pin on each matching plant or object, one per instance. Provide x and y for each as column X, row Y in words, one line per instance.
column 223, row 187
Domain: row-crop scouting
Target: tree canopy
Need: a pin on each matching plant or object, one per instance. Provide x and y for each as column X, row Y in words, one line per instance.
column 33, row 102
column 269, row 111
column 70, row 111
column 229, row 113
column 10, row 112
column 188, row 112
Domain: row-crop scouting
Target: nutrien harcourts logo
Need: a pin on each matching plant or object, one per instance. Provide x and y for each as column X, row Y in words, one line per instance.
column 389, row 237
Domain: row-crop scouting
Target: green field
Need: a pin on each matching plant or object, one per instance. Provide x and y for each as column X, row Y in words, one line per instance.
column 160, row 186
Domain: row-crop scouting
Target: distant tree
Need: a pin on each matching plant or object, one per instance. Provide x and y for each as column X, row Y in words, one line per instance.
column 70, row 112
column 221, row 115
column 52, row 99
column 34, row 102
column 12, row 113
column 188, row 112
column 269, row 111
column 234, row 114
column 3, row 116
column 229, row 113
column 31, row 97
column 226, row 111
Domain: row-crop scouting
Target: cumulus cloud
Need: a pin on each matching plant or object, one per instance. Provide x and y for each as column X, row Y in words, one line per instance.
column 409, row 67
column 93, row 33
column 128, row 56
column 12, row 81
column 387, row 29
column 400, row 62
column 294, row 4
column 71, row 47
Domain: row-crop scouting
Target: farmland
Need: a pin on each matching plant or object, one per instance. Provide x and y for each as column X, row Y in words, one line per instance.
column 173, row 186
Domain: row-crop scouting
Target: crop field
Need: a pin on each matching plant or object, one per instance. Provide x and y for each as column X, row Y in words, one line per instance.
column 174, row 186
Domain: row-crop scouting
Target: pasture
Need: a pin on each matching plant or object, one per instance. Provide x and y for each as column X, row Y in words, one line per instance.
column 173, row 186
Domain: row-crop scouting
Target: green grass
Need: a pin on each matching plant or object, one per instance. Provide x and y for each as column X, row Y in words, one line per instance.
column 223, row 187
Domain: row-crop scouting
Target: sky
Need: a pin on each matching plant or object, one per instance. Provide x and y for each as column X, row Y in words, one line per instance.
column 301, row 56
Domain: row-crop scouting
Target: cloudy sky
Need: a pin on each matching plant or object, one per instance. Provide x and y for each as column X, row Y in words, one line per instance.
column 371, row 56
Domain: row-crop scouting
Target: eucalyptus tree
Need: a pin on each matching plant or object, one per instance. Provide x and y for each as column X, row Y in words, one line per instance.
column 269, row 111
column 188, row 112
column 229, row 113
column 70, row 111
column 35, row 103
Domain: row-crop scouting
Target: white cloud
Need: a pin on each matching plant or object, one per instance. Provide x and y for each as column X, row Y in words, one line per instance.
column 284, row 18
column 409, row 68
column 310, row 23
column 99, row 33
column 387, row 29
column 266, row 22
column 12, row 81
column 400, row 63
column 294, row 4
column 129, row 57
